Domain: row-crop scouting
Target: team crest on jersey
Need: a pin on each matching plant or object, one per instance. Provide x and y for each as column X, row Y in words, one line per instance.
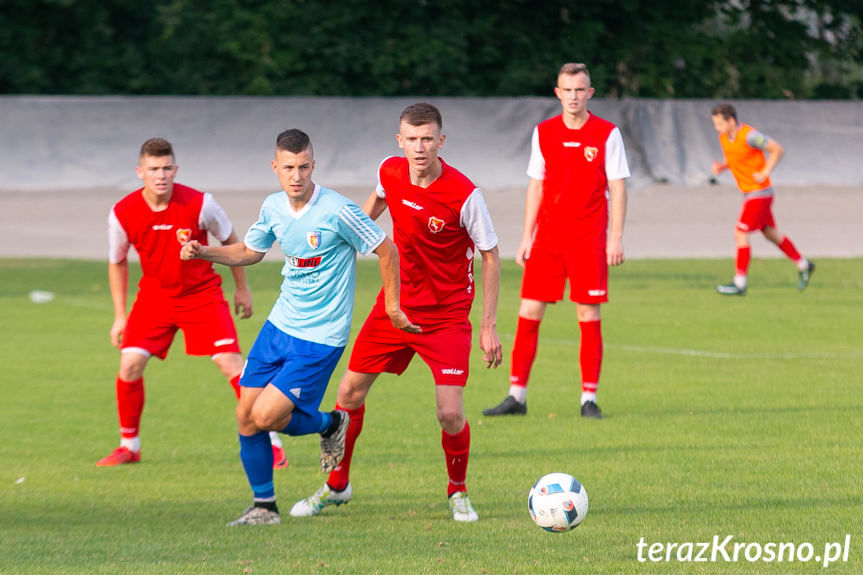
column 435, row 224
column 590, row 153
column 313, row 239
column 184, row 235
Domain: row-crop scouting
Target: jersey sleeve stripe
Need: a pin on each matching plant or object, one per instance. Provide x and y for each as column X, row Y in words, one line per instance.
column 371, row 235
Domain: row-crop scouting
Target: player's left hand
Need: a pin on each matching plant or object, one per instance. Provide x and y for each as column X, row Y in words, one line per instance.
column 243, row 303
column 614, row 252
column 760, row 177
column 489, row 343
column 402, row 321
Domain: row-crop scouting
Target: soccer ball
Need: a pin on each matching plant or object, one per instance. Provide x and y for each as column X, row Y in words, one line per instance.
column 557, row 502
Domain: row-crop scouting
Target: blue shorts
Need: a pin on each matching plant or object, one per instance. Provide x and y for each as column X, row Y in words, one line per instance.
column 300, row 369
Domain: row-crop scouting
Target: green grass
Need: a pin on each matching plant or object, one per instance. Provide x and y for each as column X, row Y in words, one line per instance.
column 724, row 416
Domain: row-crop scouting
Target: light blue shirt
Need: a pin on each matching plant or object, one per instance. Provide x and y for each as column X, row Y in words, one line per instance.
column 320, row 243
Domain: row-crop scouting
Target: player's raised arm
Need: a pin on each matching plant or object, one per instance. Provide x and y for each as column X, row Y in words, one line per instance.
column 388, row 260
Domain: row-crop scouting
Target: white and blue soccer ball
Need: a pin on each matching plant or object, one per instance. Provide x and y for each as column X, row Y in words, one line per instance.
column 557, row 502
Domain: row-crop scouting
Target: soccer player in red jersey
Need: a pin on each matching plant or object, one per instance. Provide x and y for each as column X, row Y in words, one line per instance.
column 576, row 159
column 744, row 149
column 157, row 220
column 440, row 221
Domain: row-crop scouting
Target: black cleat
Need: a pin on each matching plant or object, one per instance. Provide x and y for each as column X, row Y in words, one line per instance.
column 804, row 277
column 590, row 409
column 731, row 289
column 508, row 406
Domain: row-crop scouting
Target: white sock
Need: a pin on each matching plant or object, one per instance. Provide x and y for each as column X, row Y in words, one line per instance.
column 588, row 396
column 740, row 281
column 275, row 439
column 519, row 392
column 131, row 443
column 803, row 264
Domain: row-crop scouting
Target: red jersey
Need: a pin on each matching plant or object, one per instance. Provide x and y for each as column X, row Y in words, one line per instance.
column 435, row 250
column 158, row 236
column 574, row 202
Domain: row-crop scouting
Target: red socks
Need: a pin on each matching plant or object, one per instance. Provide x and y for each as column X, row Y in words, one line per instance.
column 743, row 255
column 235, row 385
column 130, row 404
column 789, row 250
column 340, row 476
column 523, row 350
column 456, row 449
column 591, row 354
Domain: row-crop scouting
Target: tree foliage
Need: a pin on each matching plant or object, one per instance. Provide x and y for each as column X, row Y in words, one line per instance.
column 673, row 48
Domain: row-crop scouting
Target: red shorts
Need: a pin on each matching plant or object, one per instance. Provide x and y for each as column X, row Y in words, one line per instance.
column 445, row 348
column 585, row 265
column 204, row 318
column 756, row 214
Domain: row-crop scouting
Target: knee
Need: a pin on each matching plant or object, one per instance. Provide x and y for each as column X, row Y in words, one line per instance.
column 131, row 369
column 451, row 420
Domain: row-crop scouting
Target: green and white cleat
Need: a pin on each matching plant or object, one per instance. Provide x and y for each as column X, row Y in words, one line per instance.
column 462, row 510
column 326, row 495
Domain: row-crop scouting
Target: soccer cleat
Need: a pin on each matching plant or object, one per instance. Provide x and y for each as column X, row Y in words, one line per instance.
column 257, row 516
column 804, row 276
column 280, row 460
column 462, row 510
column 509, row 406
column 730, row 289
column 333, row 447
column 590, row 409
column 120, row 456
column 326, row 495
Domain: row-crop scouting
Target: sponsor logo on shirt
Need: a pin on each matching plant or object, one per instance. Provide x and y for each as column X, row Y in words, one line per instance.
column 590, row 153
column 413, row 205
column 313, row 239
column 572, row 144
column 435, row 224
column 226, row 341
column 158, row 227
column 296, row 262
column 183, row 234
column 452, row 371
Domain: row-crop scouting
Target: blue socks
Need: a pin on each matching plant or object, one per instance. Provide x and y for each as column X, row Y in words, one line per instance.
column 256, row 453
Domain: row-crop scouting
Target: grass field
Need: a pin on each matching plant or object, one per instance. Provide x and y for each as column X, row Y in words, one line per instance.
column 736, row 417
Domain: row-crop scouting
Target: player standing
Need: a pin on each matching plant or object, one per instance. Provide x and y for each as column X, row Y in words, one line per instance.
column 744, row 149
column 172, row 295
column 576, row 159
column 439, row 219
column 297, row 349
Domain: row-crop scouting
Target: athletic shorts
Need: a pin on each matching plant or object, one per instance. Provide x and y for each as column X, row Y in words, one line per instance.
column 205, row 319
column 445, row 347
column 585, row 265
column 300, row 369
column 756, row 214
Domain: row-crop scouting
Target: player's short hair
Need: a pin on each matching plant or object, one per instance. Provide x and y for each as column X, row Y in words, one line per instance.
column 421, row 114
column 156, row 148
column 293, row 141
column 725, row 110
column 573, row 68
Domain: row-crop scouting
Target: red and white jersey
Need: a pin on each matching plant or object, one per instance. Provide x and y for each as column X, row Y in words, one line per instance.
column 437, row 230
column 157, row 236
column 575, row 166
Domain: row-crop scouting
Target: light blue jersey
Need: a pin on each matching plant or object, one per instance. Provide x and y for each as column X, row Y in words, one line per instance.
column 320, row 243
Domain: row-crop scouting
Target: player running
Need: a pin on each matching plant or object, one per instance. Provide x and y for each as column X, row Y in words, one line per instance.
column 296, row 351
column 744, row 149
column 156, row 220
column 440, row 220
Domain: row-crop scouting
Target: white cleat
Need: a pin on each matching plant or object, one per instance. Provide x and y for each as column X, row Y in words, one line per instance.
column 462, row 510
column 311, row 506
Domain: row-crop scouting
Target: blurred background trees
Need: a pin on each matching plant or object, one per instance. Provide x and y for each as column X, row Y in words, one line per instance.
column 664, row 49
